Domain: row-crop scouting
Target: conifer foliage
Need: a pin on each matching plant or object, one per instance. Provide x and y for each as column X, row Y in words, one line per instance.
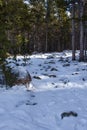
column 28, row 26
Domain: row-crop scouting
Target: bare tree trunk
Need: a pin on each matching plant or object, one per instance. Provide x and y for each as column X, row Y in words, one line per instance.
column 46, row 47
column 81, row 32
column 85, row 45
column 47, row 21
column 73, row 31
column 85, row 29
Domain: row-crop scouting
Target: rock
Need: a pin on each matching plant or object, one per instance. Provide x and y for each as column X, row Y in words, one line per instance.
column 53, row 76
column 83, row 79
column 54, row 69
column 37, row 77
column 50, row 57
column 65, row 65
column 68, row 114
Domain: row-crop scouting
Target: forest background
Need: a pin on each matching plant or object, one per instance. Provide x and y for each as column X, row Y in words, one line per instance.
column 28, row 26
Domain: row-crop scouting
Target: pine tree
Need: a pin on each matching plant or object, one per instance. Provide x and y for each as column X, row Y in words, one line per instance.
column 3, row 38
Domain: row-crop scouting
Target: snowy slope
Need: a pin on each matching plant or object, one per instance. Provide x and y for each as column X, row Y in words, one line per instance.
column 59, row 85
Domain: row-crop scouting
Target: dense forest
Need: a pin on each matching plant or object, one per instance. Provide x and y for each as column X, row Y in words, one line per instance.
column 28, row 26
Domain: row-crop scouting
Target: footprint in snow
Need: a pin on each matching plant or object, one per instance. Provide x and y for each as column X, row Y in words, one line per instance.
column 31, row 103
column 20, row 103
column 26, row 103
column 32, row 95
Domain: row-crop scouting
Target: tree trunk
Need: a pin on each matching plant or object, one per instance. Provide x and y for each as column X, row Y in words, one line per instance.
column 47, row 21
column 46, row 47
column 73, row 31
column 85, row 29
column 81, row 32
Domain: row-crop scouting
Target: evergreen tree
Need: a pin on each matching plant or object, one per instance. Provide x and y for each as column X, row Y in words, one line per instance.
column 3, row 38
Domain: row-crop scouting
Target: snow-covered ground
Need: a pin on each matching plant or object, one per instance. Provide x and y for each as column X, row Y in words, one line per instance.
column 59, row 87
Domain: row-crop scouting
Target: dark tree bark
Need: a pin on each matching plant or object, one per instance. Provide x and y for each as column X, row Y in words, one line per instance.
column 73, row 31
column 81, row 32
column 85, row 31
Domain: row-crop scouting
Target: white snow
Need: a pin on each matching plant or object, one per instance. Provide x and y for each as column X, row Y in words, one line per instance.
column 61, row 87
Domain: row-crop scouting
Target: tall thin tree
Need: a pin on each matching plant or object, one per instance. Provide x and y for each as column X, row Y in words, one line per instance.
column 81, row 31
column 73, row 30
